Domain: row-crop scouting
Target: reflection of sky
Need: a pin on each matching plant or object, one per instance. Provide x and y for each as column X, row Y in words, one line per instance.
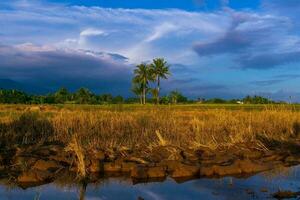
column 225, row 188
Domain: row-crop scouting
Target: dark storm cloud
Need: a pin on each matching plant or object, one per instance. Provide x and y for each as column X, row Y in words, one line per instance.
column 252, row 40
column 268, row 61
column 276, row 79
column 245, row 31
column 53, row 68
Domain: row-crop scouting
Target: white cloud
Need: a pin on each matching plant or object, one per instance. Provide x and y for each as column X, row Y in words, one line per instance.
column 161, row 31
column 92, row 32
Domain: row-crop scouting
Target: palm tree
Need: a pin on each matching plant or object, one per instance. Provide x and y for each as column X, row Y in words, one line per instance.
column 137, row 89
column 174, row 95
column 159, row 70
column 142, row 76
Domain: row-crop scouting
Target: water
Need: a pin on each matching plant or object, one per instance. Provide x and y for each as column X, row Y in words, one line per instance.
column 260, row 186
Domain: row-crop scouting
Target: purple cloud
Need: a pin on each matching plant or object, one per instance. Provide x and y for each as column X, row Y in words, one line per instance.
column 54, row 68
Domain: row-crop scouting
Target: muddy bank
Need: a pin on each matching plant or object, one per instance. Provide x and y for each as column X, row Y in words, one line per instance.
column 36, row 165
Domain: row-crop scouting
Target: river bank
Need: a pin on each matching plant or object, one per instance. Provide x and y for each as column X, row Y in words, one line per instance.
column 37, row 165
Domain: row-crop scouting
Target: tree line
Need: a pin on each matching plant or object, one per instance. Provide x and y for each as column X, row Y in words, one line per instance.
column 85, row 96
column 81, row 96
column 146, row 80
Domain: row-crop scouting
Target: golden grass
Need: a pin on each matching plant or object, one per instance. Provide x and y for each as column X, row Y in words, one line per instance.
column 75, row 146
column 139, row 128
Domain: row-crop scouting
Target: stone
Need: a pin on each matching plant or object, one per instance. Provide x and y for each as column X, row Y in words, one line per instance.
column 35, row 176
column 156, row 172
column 46, row 165
column 248, row 166
column 227, row 170
column 166, row 153
column 112, row 167
column 170, row 165
column 127, row 167
column 207, row 171
column 285, row 194
column 139, row 172
column 25, row 162
column 182, row 170
column 95, row 166
column 62, row 158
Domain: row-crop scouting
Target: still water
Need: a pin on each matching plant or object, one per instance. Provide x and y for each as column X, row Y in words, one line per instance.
column 260, row 186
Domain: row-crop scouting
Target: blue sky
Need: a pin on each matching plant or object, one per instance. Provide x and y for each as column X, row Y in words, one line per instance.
column 216, row 48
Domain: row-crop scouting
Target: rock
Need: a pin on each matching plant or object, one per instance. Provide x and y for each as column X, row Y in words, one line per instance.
column 112, row 167
column 25, row 162
column 127, row 167
column 47, row 165
column 156, row 172
column 139, row 172
column 170, row 165
column 227, row 170
column 190, row 155
column 181, row 171
column 249, row 154
column 285, row 194
column 237, row 167
column 63, row 158
column 248, row 166
column 35, row 176
column 207, row 171
column 165, row 153
column 95, row 166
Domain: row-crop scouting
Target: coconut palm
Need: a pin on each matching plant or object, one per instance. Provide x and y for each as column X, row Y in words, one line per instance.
column 174, row 95
column 137, row 89
column 159, row 70
column 142, row 76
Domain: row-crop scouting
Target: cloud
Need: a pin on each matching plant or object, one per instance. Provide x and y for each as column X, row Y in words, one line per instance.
column 252, row 39
column 53, row 68
column 268, row 61
column 276, row 80
column 161, row 31
column 92, row 32
column 267, row 82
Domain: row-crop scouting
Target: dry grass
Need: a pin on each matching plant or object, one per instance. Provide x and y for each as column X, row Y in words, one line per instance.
column 75, row 146
column 144, row 127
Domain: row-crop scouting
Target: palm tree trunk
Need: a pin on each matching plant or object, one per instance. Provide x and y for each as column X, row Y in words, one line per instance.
column 144, row 95
column 158, row 88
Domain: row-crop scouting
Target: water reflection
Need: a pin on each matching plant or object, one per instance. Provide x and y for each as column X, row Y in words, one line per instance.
column 260, row 186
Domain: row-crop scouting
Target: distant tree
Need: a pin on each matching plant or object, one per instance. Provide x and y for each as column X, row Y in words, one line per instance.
column 106, row 98
column 216, row 101
column 118, row 99
column 257, row 100
column 159, row 70
column 61, row 96
column 83, row 96
column 142, row 76
column 176, row 97
column 165, row 100
column 14, row 97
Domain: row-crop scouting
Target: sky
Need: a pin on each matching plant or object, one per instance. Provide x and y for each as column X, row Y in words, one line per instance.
column 215, row 48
